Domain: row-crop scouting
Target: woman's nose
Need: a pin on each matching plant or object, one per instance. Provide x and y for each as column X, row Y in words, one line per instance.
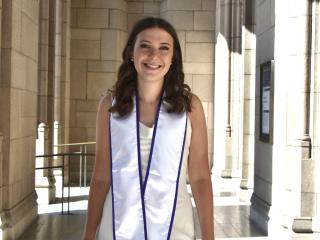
column 153, row 52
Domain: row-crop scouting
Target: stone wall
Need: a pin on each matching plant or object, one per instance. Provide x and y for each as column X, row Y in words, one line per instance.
column 194, row 22
column 98, row 34
column 18, row 101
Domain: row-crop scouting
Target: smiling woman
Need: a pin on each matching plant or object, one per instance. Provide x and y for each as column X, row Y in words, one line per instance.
column 151, row 134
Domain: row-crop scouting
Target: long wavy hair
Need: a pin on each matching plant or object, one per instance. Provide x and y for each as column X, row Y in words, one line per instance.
column 177, row 94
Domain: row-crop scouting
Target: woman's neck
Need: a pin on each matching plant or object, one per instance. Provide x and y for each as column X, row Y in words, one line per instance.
column 149, row 93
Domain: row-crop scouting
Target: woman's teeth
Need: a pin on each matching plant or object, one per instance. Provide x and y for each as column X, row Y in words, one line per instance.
column 152, row 66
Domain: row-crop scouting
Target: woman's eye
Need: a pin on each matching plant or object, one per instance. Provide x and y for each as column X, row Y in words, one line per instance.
column 144, row 45
column 164, row 48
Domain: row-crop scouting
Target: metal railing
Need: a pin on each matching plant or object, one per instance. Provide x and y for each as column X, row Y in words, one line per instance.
column 82, row 159
column 62, row 167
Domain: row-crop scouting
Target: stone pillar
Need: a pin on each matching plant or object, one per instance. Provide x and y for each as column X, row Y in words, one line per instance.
column 194, row 22
column 315, row 110
column 249, row 103
column 1, row 184
column 18, row 101
column 304, row 189
column 228, row 89
column 61, row 71
column 45, row 181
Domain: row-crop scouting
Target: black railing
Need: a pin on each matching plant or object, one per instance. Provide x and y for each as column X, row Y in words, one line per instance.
column 62, row 167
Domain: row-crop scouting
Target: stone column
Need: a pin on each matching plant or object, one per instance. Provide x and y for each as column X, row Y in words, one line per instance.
column 18, row 101
column 304, row 190
column 249, row 102
column 45, row 181
column 61, row 72
column 228, row 75
column 316, row 110
column 1, row 184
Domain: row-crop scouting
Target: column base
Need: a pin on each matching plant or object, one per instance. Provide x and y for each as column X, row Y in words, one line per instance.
column 259, row 213
column 302, row 225
column 230, row 173
column 46, row 190
column 17, row 219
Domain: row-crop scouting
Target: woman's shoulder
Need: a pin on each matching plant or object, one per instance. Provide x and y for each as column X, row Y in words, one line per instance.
column 105, row 102
column 197, row 113
column 196, row 104
column 107, row 98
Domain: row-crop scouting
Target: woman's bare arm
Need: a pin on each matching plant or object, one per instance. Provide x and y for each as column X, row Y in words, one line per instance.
column 100, row 180
column 199, row 172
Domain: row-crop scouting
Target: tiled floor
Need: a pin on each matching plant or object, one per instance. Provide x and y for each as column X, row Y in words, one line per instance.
column 231, row 218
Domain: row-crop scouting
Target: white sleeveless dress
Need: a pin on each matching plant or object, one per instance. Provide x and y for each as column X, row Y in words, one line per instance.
column 183, row 225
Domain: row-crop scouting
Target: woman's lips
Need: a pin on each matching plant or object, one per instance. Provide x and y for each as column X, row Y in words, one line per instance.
column 152, row 66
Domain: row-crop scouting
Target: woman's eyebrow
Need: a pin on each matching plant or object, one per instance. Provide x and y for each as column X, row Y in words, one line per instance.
column 147, row 41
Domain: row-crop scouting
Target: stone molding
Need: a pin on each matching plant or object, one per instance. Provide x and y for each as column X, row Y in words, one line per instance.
column 16, row 220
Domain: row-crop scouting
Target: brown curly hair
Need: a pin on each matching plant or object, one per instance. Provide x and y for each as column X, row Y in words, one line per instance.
column 176, row 93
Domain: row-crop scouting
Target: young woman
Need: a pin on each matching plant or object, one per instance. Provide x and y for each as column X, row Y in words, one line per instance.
column 151, row 136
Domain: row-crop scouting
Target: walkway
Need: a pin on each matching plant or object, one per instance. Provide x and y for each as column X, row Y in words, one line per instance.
column 231, row 218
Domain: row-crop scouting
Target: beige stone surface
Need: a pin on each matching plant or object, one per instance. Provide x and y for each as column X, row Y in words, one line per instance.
column 32, row 75
column 85, row 49
column 77, row 134
column 199, row 52
column 200, row 36
column 203, row 87
column 78, row 78
column 135, row 7
column 87, row 105
column 98, row 84
column 74, row 14
column 78, row 3
column 29, row 37
column 135, row 17
column 93, row 18
column 183, row 4
column 181, row 20
column 86, row 119
column 209, row 5
column 204, row 20
column 31, row 9
column 16, row 30
column 182, row 41
column 198, row 68
column 85, row 34
column 118, row 19
column 109, row 44
column 102, row 66
column 113, row 4
column 151, row 7
column 18, row 72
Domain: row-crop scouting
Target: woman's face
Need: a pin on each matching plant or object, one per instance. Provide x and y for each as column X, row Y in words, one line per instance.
column 152, row 54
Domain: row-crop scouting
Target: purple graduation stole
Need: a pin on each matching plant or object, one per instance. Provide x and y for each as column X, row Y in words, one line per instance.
column 144, row 208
